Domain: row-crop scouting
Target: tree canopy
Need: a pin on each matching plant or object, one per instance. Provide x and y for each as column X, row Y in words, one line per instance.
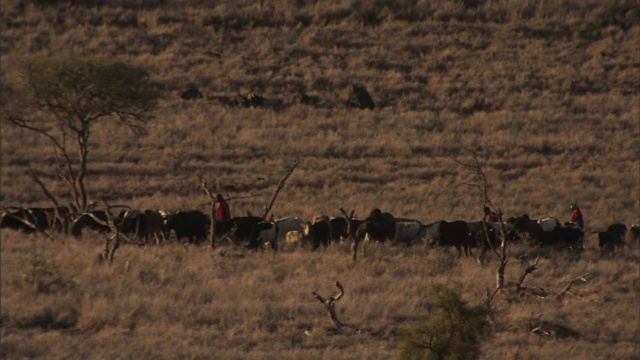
column 76, row 93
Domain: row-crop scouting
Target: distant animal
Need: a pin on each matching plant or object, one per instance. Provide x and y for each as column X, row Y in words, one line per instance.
column 251, row 100
column 359, row 98
column 548, row 224
column 95, row 220
column 634, row 234
column 192, row 225
column 569, row 236
column 407, row 232
column 565, row 236
column 191, row 93
column 286, row 225
column 613, row 238
column 486, row 236
column 319, row 233
column 338, row 228
column 341, row 228
column 240, row 229
column 263, row 233
column 528, row 229
column 429, row 232
column 24, row 219
column 302, row 98
column 143, row 225
column 378, row 226
column 455, row 233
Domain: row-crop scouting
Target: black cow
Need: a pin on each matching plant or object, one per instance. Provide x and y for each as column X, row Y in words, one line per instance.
column 94, row 220
column 23, row 220
column 239, row 229
column 359, row 98
column 262, row 233
column 613, row 238
column 455, row 233
column 319, row 233
column 191, row 93
column 378, row 225
column 634, row 234
column 193, row 225
column 567, row 236
column 30, row 220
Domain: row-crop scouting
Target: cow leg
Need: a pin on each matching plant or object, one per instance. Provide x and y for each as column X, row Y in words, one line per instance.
column 460, row 251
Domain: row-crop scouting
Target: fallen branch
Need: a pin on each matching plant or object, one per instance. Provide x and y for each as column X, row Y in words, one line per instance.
column 567, row 290
column 330, row 305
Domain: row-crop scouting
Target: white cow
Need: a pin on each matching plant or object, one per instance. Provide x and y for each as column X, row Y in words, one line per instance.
column 286, row 225
column 408, row 232
column 548, row 224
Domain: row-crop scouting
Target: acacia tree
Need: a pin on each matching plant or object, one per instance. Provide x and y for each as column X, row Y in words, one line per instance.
column 68, row 96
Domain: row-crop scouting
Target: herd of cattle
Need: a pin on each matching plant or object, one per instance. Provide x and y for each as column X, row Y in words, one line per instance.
column 252, row 232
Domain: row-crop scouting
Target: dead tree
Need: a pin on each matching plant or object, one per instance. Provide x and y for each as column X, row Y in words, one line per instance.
column 61, row 214
column 330, row 305
column 212, row 211
column 482, row 185
column 280, row 187
column 114, row 236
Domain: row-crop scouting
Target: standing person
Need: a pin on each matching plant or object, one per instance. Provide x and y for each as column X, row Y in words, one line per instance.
column 223, row 213
column 576, row 216
column 490, row 216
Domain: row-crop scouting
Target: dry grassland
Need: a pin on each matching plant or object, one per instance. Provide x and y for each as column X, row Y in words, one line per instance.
column 546, row 93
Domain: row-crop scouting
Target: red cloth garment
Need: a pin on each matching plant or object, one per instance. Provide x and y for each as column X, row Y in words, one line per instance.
column 576, row 217
column 223, row 212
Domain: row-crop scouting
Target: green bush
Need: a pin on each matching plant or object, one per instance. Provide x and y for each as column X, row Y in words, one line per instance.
column 453, row 331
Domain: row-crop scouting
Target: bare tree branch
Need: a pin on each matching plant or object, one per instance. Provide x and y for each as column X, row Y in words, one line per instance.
column 280, row 187
column 330, row 305
column 567, row 290
column 212, row 211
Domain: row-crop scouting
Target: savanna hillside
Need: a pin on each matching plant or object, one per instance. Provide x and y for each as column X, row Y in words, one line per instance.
column 545, row 93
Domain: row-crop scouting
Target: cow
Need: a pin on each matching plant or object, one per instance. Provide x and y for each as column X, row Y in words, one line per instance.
column 239, row 229
column 378, row 226
column 359, row 98
column 634, row 234
column 613, row 238
column 22, row 220
column 191, row 93
column 30, row 220
column 149, row 223
column 548, row 224
column 341, row 228
column 568, row 236
column 320, row 233
column 193, row 225
column 302, row 98
column 286, row 225
column 455, row 233
column 407, row 232
column 429, row 231
column 95, row 220
column 263, row 233
column 528, row 229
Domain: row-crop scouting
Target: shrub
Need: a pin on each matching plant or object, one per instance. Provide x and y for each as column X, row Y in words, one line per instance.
column 454, row 331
